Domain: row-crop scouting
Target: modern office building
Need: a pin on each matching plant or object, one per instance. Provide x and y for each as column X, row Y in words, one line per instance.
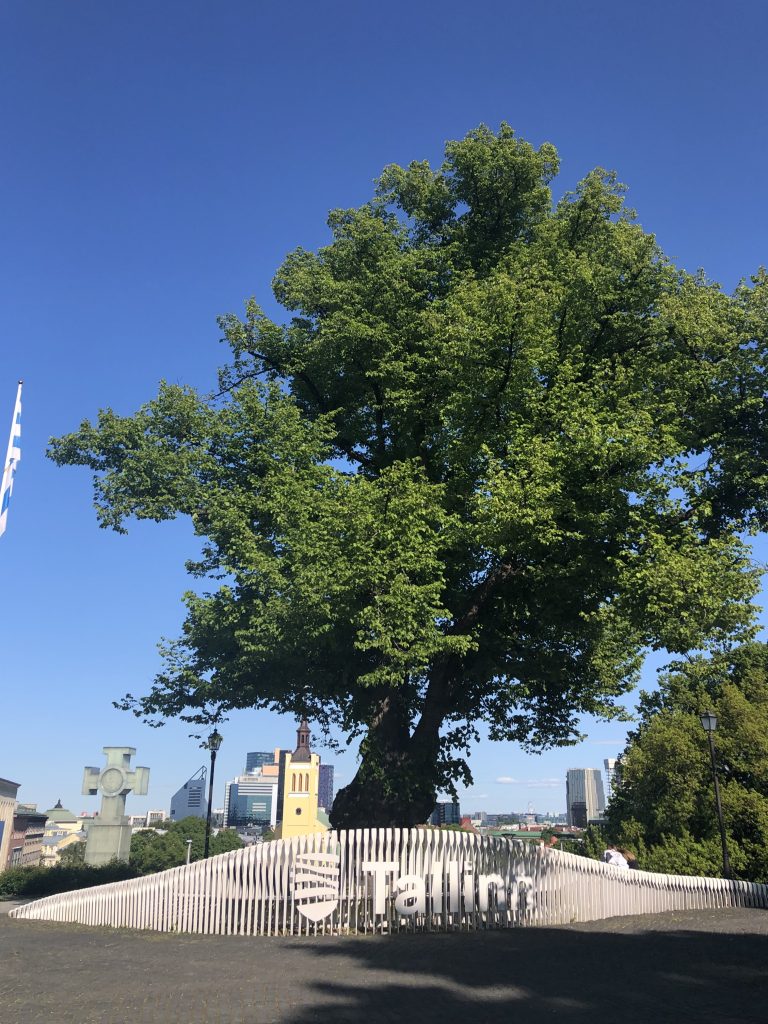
column 257, row 759
column 325, row 784
column 446, row 812
column 251, row 799
column 610, row 771
column 190, row 801
column 584, row 797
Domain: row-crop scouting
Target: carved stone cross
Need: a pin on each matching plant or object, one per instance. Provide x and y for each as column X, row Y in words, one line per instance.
column 109, row 835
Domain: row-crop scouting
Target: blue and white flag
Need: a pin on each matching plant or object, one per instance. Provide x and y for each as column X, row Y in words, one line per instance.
column 11, row 462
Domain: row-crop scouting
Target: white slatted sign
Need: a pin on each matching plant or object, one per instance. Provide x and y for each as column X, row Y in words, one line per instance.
column 385, row 880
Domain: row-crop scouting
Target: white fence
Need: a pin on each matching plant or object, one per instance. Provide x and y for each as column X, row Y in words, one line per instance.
column 385, row 880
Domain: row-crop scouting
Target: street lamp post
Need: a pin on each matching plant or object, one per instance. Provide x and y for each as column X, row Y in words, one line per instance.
column 709, row 722
column 213, row 743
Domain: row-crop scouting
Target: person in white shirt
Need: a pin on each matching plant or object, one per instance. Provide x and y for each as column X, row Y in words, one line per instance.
column 612, row 856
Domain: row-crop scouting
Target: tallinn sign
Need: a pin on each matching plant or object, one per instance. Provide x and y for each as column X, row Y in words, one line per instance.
column 448, row 887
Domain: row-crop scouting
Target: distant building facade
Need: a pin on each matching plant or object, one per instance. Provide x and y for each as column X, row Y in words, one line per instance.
column 257, row 759
column 610, row 771
column 61, row 821
column 190, row 801
column 325, row 787
column 150, row 819
column 584, row 796
column 8, row 791
column 250, row 800
column 53, row 846
column 446, row 812
column 26, row 837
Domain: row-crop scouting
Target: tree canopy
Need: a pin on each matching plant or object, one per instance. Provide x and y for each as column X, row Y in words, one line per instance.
column 501, row 447
column 664, row 802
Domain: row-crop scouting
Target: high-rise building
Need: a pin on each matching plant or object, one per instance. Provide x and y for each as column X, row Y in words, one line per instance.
column 251, row 799
column 281, row 756
column 325, row 787
column 610, row 770
column 584, row 795
column 190, row 801
column 256, row 759
column 446, row 812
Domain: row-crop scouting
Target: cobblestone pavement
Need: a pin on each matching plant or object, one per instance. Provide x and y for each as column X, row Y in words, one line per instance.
column 704, row 967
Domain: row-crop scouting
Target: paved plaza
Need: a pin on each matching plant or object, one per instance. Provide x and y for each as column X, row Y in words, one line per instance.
column 710, row 966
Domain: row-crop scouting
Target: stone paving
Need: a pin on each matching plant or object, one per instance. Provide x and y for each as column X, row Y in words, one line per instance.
column 709, row 967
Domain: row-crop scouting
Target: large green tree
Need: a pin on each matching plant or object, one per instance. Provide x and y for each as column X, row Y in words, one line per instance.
column 664, row 802
column 501, row 447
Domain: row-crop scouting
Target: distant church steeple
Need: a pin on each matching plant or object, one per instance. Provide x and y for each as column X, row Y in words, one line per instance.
column 301, row 774
column 302, row 751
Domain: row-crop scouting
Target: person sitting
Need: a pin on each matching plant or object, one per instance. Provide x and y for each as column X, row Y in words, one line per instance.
column 629, row 857
column 612, row 855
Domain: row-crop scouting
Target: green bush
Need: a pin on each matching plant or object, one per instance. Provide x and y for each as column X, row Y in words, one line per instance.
column 32, row 882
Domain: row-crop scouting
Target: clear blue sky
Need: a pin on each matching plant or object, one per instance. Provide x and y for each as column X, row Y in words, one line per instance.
column 159, row 160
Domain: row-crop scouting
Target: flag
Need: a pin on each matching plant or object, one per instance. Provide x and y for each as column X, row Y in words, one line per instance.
column 11, row 462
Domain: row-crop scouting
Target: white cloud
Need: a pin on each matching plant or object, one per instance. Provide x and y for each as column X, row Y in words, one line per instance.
column 506, row 780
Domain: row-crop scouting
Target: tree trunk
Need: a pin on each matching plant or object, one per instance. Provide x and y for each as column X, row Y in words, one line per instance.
column 396, row 783
column 391, row 793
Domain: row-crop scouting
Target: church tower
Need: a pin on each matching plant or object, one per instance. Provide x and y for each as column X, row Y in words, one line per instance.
column 300, row 789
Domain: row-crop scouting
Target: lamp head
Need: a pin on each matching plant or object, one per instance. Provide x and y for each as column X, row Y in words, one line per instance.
column 708, row 721
column 214, row 740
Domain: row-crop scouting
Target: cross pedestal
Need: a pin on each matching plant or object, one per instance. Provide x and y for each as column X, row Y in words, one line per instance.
column 109, row 835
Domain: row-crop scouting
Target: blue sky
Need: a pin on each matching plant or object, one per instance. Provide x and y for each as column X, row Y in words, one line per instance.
column 159, row 160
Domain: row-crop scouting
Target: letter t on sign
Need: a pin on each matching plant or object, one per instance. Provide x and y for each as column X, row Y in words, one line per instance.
column 380, row 872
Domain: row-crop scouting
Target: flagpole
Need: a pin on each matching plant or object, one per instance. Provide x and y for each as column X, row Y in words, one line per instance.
column 12, row 457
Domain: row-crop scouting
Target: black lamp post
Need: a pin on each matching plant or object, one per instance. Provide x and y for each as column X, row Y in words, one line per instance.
column 212, row 743
column 709, row 722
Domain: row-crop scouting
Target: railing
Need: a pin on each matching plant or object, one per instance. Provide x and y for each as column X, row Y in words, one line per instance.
column 385, row 880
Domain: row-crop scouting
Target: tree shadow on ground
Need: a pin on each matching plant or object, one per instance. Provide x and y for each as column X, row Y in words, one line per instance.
column 571, row 976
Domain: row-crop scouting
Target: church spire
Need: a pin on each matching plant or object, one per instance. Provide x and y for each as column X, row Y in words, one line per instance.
column 302, row 751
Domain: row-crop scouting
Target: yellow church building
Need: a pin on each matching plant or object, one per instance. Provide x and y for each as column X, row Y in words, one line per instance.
column 301, row 784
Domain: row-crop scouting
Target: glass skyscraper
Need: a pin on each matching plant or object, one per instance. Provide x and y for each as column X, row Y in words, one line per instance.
column 325, row 787
column 584, row 796
column 257, row 758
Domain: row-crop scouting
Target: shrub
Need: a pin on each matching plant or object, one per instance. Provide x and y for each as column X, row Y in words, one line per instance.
column 39, row 881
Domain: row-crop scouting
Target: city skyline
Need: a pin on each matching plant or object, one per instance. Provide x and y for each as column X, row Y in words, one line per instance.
column 506, row 794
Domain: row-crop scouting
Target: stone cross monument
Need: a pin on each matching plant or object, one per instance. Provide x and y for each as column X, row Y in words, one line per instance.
column 109, row 835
